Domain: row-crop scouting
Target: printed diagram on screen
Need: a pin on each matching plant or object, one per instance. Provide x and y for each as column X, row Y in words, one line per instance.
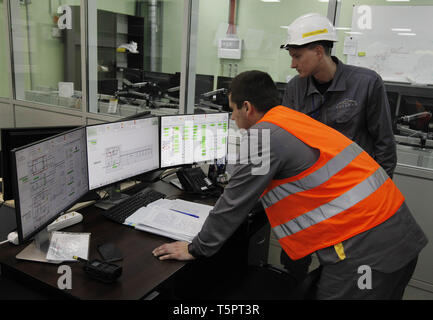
column 193, row 138
column 39, row 165
column 116, row 160
column 51, row 175
column 112, row 158
column 120, row 150
column 41, row 179
column 41, row 207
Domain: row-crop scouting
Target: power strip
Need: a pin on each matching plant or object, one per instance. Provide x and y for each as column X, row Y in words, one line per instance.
column 65, row 220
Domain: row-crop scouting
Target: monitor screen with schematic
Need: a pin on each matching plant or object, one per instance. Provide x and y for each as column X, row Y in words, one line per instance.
column 191, row 139
column 117, row 151
column 50, row 176
column 12, row 138
column 188, row 139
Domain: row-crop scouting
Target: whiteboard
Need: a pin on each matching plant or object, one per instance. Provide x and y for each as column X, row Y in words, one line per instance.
column 397, row 55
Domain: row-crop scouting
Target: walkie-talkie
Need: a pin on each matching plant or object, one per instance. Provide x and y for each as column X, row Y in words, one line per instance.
column 102, row 271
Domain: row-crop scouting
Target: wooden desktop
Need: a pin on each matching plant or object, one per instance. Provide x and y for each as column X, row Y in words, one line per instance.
column 143, row 275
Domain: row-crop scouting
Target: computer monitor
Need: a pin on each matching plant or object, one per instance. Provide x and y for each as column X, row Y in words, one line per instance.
column 131, row 74
column 138, row 115
column 175, row 80
column 120, row 150
column 188, row 139
column 50, row 176
column 410, row 105
column 163, row 80
column 107, row 86
column 223, row 82
column 203, row 84
column 12, row 138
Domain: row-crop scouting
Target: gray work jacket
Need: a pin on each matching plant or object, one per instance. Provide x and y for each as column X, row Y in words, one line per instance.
column 355, row 104
column 386, row 247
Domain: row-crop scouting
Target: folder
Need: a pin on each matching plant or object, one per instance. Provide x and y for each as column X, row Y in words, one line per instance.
column 176, row 219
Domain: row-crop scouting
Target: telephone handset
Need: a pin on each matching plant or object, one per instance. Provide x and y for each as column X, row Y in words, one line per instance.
column 194, row 180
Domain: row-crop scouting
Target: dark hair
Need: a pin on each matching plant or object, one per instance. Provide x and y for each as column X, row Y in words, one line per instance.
column 256, row 87
column 327, row 46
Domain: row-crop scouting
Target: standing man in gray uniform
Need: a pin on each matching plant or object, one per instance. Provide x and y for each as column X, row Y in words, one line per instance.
column 347, row 98
column 389, row 248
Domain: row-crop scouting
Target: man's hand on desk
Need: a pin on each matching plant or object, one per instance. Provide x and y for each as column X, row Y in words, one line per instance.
column 176, row 250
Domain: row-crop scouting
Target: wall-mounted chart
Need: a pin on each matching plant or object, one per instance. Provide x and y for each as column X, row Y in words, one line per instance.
column 395, row 41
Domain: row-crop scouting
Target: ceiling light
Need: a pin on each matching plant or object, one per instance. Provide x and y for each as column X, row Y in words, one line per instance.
column 270, row 0
column 406, row 34
column 401, row 29
column 353, row 32
column 342, row 28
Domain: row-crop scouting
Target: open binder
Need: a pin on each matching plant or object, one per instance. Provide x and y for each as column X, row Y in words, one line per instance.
column 175, row 219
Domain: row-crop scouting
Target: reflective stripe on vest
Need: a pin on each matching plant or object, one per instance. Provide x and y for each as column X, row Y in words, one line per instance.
column 334, row 207
column 314, row 179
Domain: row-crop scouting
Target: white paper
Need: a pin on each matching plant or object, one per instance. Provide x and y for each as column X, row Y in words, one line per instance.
column 169, row 220
column 198, row 209
column 112, row 106
column 66, row 89
column 65, row 245
column 163, row 233
column 176, row 219
column 350, row 46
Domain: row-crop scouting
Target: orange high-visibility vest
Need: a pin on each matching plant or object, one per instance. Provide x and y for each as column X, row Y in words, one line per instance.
column 343, row 194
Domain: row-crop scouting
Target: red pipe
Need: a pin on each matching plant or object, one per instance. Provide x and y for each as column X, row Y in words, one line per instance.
column 232, row 17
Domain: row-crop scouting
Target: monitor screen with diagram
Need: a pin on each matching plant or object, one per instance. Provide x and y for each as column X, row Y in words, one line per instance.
column 187, row 139
column 120, row 150
column 50, row 176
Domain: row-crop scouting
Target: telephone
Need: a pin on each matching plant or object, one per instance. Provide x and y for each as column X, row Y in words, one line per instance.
column 194, row 180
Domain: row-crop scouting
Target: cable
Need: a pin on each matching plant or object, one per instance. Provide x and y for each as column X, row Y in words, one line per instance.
column 106, row 195
column 3, row 242
column 167, row 173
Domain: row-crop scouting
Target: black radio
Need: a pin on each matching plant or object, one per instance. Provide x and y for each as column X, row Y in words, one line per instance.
column 102, row 271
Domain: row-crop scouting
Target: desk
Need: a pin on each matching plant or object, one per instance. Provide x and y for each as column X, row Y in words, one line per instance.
column 142, row 272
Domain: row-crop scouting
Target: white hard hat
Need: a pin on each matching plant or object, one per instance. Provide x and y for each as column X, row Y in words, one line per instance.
column 309, row 28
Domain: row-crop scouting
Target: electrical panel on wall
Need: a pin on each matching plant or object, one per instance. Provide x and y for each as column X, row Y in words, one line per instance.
column 230, row 48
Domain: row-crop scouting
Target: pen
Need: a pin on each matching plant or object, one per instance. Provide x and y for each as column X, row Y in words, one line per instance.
column 188, row 214
column 80, row 259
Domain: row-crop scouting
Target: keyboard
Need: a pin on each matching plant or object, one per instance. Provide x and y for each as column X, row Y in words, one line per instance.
column 121, row 211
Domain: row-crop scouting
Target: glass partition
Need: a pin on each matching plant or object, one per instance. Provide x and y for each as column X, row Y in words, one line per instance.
column 135, row 56
column 4, row 89
column 393, row 38
column 236, row 36
column 46, row 52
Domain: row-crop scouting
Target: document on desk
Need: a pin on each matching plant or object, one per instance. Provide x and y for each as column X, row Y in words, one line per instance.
column 176, row 219
column 65, row 245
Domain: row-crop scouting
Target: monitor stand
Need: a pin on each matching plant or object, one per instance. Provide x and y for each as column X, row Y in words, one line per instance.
column 37, row 250
column 114, row 197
